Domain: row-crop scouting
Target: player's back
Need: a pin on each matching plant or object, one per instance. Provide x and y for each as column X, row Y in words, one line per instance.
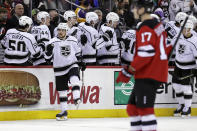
column 151, row 56
column 19, row 46
column 41, row 32
column 90, row 32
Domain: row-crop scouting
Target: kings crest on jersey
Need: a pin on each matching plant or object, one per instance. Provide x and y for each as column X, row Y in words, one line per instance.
column 186, row 52
column 65, row 50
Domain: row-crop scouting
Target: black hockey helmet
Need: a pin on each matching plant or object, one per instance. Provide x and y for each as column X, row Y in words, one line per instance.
column 147, row 4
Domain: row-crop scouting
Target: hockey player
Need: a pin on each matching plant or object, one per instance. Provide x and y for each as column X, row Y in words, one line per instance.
column 64, row 51
column 172, row 28
column 88, row 36
column 71, row 19
column 108, row 47
column 42, row 34
column 127, row 44
column 187, row 6
column 20, row 46
column 186, row 54
column 194, row 20
column 149, row 67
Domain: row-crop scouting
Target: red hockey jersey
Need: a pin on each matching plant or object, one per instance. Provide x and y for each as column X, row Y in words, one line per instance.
column 151, row 56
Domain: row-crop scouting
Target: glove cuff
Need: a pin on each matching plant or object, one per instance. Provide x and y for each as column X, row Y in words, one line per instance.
column 126, row 73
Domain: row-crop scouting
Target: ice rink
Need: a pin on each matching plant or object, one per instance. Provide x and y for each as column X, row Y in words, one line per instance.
column 96, row 124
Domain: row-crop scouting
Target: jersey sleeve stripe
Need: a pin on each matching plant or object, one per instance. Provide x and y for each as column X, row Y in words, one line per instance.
column 146, row 51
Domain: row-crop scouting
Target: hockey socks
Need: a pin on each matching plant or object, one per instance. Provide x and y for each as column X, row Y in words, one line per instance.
column 142, row 119
column 135, row 118
column 64, row 106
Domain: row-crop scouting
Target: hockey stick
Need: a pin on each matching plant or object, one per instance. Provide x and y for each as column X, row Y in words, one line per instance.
column 181, row 78
column 176, row 41
column 185, row 77
column 83, row 85
column 74, row 4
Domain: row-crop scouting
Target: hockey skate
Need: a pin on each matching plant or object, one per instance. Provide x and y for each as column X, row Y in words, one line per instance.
column 178, row 111
column 186, row 113
column 62, row 116
column 77, row 102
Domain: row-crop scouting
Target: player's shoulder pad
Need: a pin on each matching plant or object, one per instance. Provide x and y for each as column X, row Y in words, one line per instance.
column 54, row 40
column 28, row 35
column 34, row 27
column 193, row 39
column 131, row 31
column 71, row 38
column 44, row 27
column 171, row 22
column 81, row 24
column 104, row 28
column 12, row 30
column 151, row 23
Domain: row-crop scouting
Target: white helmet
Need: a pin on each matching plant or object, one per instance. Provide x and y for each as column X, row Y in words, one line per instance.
column 69, row 14
column 155, row 16
column 25, row 20
column 193, row 19
column 188, row 25
column 112, row 16
column 63, row 26
column 91, row 16
column 180, row 17
column 42, row 15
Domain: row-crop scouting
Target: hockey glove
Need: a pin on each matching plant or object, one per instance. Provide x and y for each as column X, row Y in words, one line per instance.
column 107, row 35
column 49, row 49
column 84, row 39
column 108, row 47
column 105, row 38
column 126, row 44
column 42, row 45
column 124, row 76
column 82, row 66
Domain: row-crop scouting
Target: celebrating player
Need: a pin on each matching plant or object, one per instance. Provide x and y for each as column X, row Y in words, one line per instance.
column 65, row 53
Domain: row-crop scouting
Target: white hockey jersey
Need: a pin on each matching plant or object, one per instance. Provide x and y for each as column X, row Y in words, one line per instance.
column 180, row 5
column 42, row 35
column 64, row 54
column 172, row 31
column 127, row 55
column 41, row 32
column 88, row 52
column 20, row 47
column 111, row 56
column 186, row 52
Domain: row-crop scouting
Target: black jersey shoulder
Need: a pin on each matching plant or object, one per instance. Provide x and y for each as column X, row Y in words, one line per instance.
column 150, row 23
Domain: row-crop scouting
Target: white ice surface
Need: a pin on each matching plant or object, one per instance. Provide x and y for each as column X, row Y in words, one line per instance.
column 96, row 124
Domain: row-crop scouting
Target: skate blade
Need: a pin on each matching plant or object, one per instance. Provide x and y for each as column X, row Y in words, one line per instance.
column 177, row 115
column 77, row 105
column 186, row 116
column 63, row 118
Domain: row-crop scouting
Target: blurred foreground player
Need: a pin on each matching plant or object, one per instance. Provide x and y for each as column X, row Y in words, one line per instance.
column 149, row 67
column 65, row 53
